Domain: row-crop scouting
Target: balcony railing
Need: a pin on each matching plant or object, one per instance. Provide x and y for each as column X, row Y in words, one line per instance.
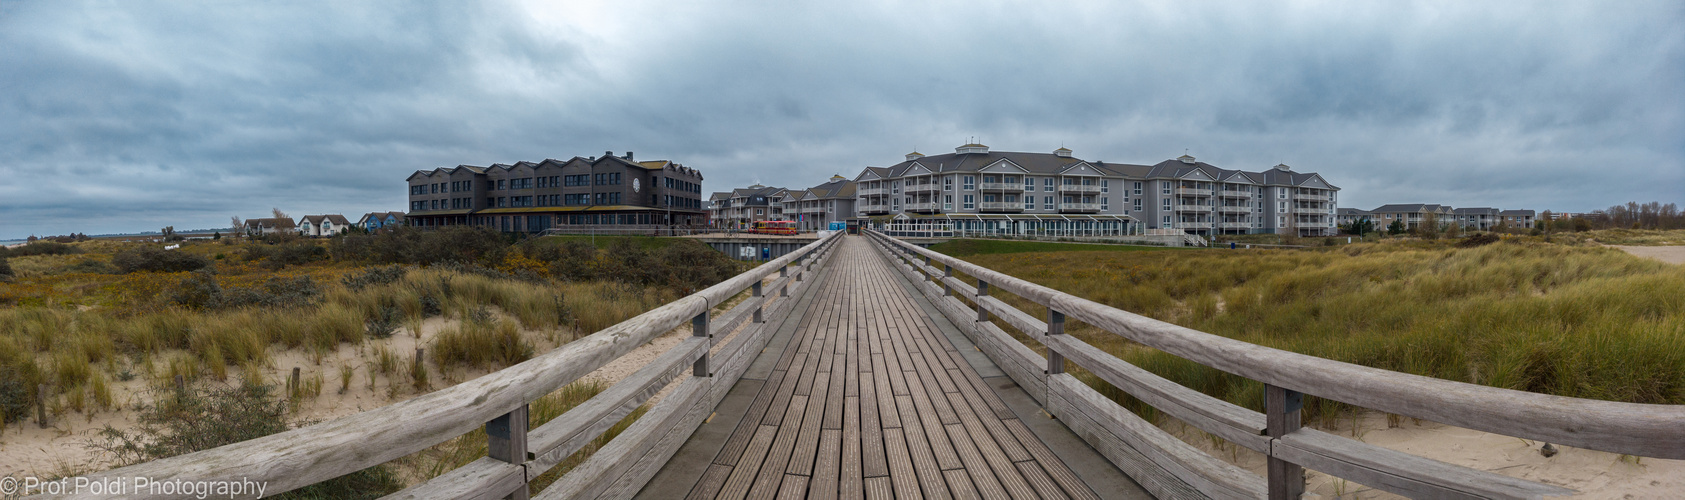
column 1001, row 206
column 1079, row 207
column 1234, row 225
column 1193, row 191
column 1079, row 188
column 1232, row 209
column 1193, row 208
column 922, row 207
column 874, row 191
column 1193, row 225
column 1003, row 186
column 875, row 209
column 1230, row 193
column 1310, row 197
column 922, row 188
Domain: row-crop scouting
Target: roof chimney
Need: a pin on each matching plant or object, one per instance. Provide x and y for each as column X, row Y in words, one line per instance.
column 1062, row 152
column 1186, row 159
column 628, row 156
column 914, row 155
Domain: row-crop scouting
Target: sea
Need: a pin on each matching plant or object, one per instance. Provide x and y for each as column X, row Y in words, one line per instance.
column 11, row 242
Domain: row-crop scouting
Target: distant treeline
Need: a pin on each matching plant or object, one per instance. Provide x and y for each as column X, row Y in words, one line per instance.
column 1633, row 215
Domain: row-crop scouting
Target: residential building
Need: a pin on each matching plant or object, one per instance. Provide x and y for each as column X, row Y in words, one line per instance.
column 1412, row 214
column 376, row 220
column 741, row 207
column 260, row 227
column 1517, row 218
column 1029, row 192
column 817, row 207
column 1348, row 216
column 531, row 197
column 317, row 226
column 1479, row 219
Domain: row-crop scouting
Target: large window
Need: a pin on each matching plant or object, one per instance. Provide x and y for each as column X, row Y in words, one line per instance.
column 1029, row 183
column 970, row 182
column 948, row 183
column 970, row 201
column 948, row 201
column 1047, row 184
column 1137, row 189
column 1030, row 202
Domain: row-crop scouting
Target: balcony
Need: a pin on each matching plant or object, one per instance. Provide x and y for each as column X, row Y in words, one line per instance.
column 922, row 188
column 1234, row 225
column 1079, row 188
column 1193, row 225
column 1193, row 208
column 1229, row 193
column 1310, row 197
column 922, row 207
column 1079, row 207
column 874, row 209
column 877, row 191
column 1003, row 186
column 1001, row 206
column 1193, row 191
column 1231, row 209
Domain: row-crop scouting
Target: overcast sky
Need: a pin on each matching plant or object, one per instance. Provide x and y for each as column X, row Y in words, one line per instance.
column 129, row 116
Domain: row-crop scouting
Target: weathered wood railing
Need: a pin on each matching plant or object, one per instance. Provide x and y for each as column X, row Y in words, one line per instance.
column 498, row 401
column 1170, row 468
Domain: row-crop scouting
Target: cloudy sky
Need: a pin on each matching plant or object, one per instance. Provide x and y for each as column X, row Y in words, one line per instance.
column 128, row 116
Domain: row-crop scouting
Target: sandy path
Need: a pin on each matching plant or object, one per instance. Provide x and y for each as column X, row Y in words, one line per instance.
column 1668, row 254
column 1594, row 474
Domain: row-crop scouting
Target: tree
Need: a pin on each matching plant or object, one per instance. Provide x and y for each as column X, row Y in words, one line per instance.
column 1363, row 226
column 216, row 235
column 1396, row 228
column 1428, row 228
column 279, row 214
column 235, row 224
column 170, row 234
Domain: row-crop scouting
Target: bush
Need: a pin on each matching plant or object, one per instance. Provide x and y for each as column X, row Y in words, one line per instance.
column 14, row 400
column 289, row 254
column 148, row 258
column 1478, row 240
column 5, row 268
column 91, row 266
column 201, row 291
column 408, row 245
column 40, row 248
column 378, row 275
column 195, row 420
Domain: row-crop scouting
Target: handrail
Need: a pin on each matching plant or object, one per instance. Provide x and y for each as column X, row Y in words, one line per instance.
column 1647, row 430
column 308, row 455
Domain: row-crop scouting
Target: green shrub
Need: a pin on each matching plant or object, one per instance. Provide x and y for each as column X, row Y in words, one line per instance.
column 281, row 255
column 375, row 275
column 5, row 268
column 149, row 258
column 40, row 248
column 91, row 266
column 409, row 245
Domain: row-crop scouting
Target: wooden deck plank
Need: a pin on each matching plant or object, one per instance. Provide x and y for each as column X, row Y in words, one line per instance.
column 869, row 399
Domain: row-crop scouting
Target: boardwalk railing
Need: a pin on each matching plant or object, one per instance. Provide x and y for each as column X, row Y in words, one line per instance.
column 1170, row 468
column 498, row 401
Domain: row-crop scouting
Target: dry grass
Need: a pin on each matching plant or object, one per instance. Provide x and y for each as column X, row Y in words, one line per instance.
column 1574, row 321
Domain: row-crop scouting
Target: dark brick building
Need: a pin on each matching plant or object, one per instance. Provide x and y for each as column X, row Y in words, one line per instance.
column 530, row 197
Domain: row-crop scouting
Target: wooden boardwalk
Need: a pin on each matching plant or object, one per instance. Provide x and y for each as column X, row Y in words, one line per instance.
column 869, row 400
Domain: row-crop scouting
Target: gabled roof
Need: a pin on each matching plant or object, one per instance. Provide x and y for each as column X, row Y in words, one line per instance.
column 1528, row 213
column 834, row 189
column 317, row 219
column 872, row 173
column 282, row 223
column 1411, row 208
column 1475, row 211
column 1350, row 211
column 1032, row 163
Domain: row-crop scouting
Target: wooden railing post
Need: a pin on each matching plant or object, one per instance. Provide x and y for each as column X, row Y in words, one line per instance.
column 982, row 291
column 756, row 294
column 947, row 272
column 1055, row 326
column 699, row 328
column 1281, row 417
column 506, row 440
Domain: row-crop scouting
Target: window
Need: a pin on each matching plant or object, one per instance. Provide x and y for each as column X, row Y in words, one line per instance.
column 1137, row 189
column 989, row 198
column 1167, row 221
column 1164, row 187
column 948, row 183
column 970, row 183
column 543, row 182
column 1104, row 200
column 1105, row 186
column 1281, row 193
column 1137, row 204
column 970, row 200
column 1167, row 203
column 947, row 202
column 1047, row 184
column 1029, row 183
column 501, row 201
column 502, row 184
column 1030, row 202
column 1047, row 201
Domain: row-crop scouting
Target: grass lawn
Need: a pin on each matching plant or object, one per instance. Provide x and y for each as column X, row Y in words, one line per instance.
column 968, row 247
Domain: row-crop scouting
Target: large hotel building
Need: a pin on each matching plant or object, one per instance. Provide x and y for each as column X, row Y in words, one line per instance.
column 1013, row 192
column 532, row 197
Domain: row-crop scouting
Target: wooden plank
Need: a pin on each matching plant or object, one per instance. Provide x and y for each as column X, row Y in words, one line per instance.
column 606, row 466
column 1039, row 480
column 562, row 436
column 807, row 440
column 1402, row 473
column 872, row 408
column 850, row 485
column 879, row 488
column 1051, row 464
column 973, row 409
column 743, row 474
column 828, row 466
column 1024, row 322
column 711, row 482
column 1148, row 474
column 931, row 428
column 901, row 471
column 1637, row 429
column 673, row 435
column 987, row 483
column 750, row 423
column 482, row 479
column 1114, row 427
column 1228, row 421
column 767, row 483
column 960, row 483
column 794, row 487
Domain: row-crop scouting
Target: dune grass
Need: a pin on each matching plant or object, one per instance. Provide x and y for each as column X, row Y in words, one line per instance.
column 1574, row 321
column 967, row 247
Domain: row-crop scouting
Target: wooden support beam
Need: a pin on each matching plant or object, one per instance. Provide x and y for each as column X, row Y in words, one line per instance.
column 1281, row 417
column 506, row 441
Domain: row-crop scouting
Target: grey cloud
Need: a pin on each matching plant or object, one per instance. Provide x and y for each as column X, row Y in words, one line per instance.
column 131, row 116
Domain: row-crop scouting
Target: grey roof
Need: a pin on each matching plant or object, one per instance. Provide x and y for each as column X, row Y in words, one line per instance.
column 1528, row 213
column 1475, row 211
column 1410, row 207
column 837, row 188
column 317, row 219
column 1350, row 211
column 1035, row 163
